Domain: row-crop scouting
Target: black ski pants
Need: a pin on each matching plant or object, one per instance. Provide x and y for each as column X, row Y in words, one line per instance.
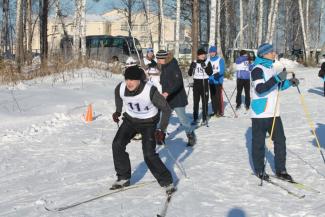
column 243, row 84
column 259, row 128
column 200, row 91
column 121, row 158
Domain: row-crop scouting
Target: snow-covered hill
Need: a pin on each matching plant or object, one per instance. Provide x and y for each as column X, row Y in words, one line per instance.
column 48, row 155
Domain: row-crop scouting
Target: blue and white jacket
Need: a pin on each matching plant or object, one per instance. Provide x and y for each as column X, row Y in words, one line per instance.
column 218, row 66
column 242, row 68
column 265, row 86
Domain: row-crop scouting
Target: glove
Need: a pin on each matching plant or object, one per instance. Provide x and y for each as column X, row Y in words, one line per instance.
column 203, row 65
column 216, row 76
column 193, row 65
column 116, row 116
column 160, row 137
column 294, row 81
column 282, row 75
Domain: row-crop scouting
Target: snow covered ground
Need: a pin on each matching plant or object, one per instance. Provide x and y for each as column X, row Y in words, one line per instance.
column 48, row 155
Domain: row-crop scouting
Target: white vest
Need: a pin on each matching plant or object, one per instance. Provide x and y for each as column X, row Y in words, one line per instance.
column 243, row 66
column 139, row 106
column 147, row 62
column 215, row 65
column 199, row 72
column 263, row 105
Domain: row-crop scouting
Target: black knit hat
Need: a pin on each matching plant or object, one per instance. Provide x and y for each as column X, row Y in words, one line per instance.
column 201, row 51
column 161, row 54
column 134, row 73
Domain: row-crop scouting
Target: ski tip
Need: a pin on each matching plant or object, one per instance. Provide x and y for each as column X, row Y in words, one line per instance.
column 49, row 209
column 302, row 196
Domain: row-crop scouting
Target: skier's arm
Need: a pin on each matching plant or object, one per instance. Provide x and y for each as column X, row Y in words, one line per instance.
column 260, row 85
column 177, row 81
column 222, row 66
column 118, row 99
column 160, row 102
column 192, row 67
column 209, row 69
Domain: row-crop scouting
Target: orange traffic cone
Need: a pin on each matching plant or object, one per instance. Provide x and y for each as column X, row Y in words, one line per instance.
column 89, row 115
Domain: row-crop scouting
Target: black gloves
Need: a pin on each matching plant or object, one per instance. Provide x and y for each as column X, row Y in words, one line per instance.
column 294, row 81
column 216, row 76
column 282, row 75
column 193, row 65
column 116, row 116
column 160, row 137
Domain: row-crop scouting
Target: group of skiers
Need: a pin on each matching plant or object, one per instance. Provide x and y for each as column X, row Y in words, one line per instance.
column 148, row 104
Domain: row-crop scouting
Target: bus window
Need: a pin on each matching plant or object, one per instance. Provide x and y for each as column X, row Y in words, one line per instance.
column 94, row 42
column 118, row 42
column 108, row 42
column 137, row 44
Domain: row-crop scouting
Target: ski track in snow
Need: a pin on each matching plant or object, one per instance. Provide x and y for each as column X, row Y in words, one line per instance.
column 50, row 156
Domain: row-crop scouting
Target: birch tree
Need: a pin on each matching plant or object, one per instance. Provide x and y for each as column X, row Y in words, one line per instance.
column 5, row 40
column 218, row 26
column 43, row 13
column 77, row 28
column 161, row 7
column 320, row 22
column 260, row 22
column 195, row 28
column 127, row 9
column 303, row 28
column 269, row 19
column 29, row 31
column 159, row 24
column 178, row 18
column 212, row 34
column 274, row 18
column 79, row 37
column 241, row 23
column 19, row 35
column 83, row 28
column 146, row 8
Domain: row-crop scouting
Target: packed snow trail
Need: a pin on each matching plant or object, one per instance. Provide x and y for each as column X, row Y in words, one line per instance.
column 48, row 155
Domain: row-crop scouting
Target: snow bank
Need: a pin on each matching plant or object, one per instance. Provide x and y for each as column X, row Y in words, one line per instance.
column 286, row 63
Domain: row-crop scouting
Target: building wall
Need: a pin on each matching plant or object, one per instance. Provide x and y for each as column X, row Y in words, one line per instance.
column 141, row 28
column 55, row 32
column 114, row 23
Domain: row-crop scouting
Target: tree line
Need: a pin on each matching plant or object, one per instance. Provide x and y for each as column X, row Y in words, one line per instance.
column 289, row 24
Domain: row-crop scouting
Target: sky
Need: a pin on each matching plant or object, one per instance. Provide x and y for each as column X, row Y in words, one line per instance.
column 101, row 6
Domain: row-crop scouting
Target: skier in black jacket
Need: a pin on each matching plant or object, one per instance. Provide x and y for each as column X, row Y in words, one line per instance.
column 142, row 103
column 173, row 90
column 200, row 72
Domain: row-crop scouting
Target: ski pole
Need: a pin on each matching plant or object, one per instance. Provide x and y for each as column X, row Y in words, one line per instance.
column 205, row 110
column 233, row 93
column 229, row 102
column 307, row 114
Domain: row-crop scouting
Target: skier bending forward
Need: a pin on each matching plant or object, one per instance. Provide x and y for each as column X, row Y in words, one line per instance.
column 142, row 103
